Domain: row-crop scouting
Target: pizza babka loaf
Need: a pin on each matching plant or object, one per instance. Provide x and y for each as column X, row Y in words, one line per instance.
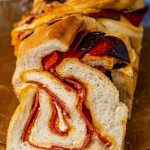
column 75, row 74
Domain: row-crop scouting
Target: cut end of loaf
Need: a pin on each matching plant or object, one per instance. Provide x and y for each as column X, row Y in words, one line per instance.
column 102, row 99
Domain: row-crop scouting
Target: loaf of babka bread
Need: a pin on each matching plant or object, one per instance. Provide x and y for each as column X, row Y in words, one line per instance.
column 76, row 72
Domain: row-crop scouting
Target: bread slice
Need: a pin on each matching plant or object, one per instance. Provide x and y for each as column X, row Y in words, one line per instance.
column 109, row 116
column 41, row 133
column 70, row 99
column 53, row 27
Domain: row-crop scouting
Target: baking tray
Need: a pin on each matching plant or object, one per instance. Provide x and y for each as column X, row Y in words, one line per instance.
column 138, row 128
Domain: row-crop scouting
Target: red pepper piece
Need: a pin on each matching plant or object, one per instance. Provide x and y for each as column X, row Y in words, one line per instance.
column 87, row 113
column 106, row 13
column 135, row 16
column 91, row 129
column 32, row 118
column 49, row 60
column 78, row 39
column 110, row 46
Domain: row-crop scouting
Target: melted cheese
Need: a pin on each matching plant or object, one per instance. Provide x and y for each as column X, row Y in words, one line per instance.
column 62, row 124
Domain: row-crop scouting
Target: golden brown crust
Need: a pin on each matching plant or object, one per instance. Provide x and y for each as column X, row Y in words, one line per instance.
column 64, row 30
column 53, row 10
column 43, row 12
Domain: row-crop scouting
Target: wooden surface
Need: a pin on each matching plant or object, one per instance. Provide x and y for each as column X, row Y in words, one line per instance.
column 8, row 101
column 138, row 128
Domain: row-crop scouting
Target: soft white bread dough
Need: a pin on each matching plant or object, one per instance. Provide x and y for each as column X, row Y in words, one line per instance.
column 109, row 116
